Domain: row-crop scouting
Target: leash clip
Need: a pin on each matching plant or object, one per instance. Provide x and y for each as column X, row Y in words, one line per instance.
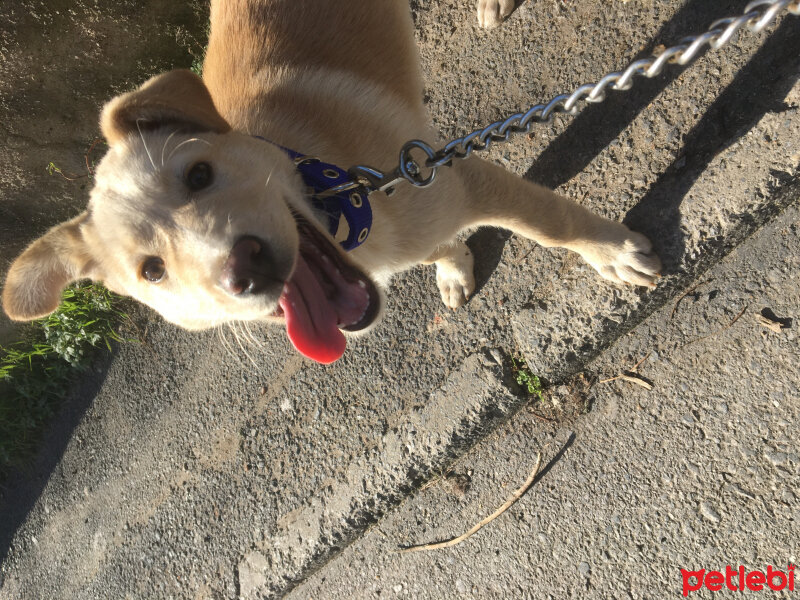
column 407, row 170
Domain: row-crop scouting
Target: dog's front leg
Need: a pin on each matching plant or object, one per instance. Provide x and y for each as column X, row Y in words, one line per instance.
column 454, row 272
column 496, row 197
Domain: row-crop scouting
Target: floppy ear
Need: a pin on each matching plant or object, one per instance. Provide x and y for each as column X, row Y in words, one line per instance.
column 174, row 98
column 34, row 283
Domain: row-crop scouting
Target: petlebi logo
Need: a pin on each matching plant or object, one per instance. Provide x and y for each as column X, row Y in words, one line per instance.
column 738, row 580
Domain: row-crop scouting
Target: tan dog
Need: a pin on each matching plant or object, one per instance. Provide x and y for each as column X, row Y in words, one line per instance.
column 205, row 223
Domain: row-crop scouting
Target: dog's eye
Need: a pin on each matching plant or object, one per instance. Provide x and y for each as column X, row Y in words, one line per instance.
column 199, row 176
column 153, row 269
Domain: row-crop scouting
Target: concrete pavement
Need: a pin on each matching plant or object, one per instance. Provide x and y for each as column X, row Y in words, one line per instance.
column 195, row 465
column 700, row 472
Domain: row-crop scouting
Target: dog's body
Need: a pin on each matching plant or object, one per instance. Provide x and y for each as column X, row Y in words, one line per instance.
column 207, row 224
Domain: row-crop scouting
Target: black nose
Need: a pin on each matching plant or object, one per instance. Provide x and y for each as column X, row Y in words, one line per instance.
column 249, row 268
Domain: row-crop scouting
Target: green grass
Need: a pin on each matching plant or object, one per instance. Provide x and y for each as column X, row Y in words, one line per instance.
column 36, row 372
column 525, row 378
column 197, row 50
column 197, row 66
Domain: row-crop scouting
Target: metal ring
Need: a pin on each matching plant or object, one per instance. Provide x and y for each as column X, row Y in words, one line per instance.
column 695, row 45
column 599, row 92
column 725, row 29
column 527, row 118
column 510, row 123
column 663, row 59
column 355, row 199
column 554, row 105
column 768, row 16
column 638, row 67
column 363, row 235
column 331, row 174
column 577, row 96
column 301, row 160
column 406, row 163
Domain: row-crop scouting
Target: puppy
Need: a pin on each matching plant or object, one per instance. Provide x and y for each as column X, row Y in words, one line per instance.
column 200, row 209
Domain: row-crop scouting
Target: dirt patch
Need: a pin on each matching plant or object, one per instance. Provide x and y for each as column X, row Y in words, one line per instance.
column 51, row 90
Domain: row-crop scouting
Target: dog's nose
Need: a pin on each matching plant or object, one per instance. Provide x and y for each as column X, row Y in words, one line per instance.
column 248, row 268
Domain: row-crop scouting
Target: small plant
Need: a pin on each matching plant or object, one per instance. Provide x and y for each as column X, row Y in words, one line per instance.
column 525, row 378
column 52, row 168
column 35, row 372
column 197, row 66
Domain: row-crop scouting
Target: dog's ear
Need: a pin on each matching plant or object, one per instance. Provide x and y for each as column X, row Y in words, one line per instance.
column 34, row 283
column 174, row 98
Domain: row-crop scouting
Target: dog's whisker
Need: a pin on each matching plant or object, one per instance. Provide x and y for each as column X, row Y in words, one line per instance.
column 166, row 143
column 241, row 346
column 184, row 142
column 249, row 332
column 224, row 341
column 266, row 185
column 144, row 143
column 228, row 345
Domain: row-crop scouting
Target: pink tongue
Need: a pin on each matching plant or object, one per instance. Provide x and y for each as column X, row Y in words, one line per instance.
column 311, row 321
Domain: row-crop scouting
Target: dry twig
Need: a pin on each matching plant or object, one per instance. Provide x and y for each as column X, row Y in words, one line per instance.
column 631, row 375
column 771, row 324
column 686, row 293
column 633, row 378
column 542, row 417
column 721, row 329
column 506, row 505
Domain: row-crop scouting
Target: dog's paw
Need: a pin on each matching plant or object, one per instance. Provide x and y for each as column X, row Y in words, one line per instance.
column 455, row 278
column 493, row 12
column 628, row 260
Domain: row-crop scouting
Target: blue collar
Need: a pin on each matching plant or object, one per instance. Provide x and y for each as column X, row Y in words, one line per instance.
column 353, row 204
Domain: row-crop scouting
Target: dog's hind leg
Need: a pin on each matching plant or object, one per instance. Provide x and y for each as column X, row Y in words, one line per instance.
column 454, row 272
column 496, row 197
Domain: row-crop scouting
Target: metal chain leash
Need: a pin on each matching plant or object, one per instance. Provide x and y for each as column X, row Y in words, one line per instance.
column 756, row 17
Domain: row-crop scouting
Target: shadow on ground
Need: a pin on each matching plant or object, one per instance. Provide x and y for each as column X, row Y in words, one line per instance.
column 20, row 491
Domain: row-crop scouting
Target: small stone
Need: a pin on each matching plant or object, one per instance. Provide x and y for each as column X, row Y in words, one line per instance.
column 252, row 569
column 398, row 588
column 776, row 458
column 461, row 587
column 495, row 354
column 709, row 513
column 543, row 539
column 584, row 569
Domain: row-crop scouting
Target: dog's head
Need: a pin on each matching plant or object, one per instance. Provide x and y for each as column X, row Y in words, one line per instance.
column 204, row 224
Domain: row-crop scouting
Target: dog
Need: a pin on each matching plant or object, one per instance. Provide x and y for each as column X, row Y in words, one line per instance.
column 199, row 209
